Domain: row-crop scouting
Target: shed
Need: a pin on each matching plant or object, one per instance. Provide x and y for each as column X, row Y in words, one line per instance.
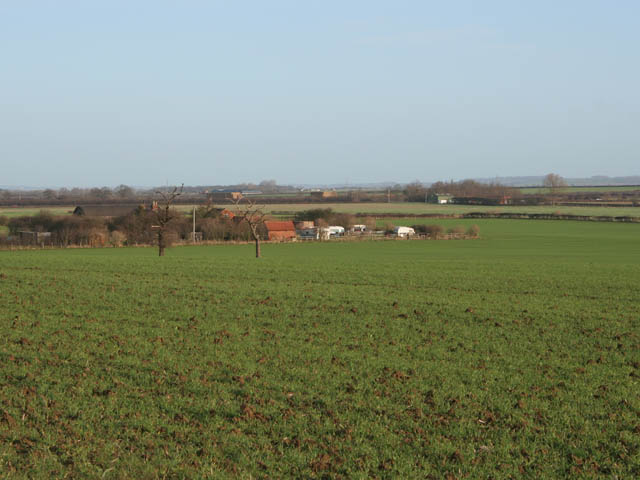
column 311, row 233
column 440, row 198
column 283, row 230
column 104, row 210
column 304, row 224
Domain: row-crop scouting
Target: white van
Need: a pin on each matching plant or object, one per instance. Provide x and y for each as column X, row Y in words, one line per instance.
column 336, row 231
column 404, row 231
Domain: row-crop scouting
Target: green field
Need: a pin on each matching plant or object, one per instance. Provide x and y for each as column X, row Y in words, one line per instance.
column 428, row 208
column 24, row 211
column 603, row 189
column 516, row 355
column 409, row 208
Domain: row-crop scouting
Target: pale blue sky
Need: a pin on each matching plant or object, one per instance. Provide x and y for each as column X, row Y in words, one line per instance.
column 204, row 92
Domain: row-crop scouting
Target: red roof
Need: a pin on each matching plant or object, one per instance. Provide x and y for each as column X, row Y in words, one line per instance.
column 279, row 226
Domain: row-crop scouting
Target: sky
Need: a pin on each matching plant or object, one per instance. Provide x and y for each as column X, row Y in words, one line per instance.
column 145, row 93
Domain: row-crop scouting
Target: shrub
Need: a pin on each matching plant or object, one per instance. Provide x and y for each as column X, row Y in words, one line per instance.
column 457, row 230
column 434, row 231
column 4, row 220
column 370, row 222
column 345, row 220
column 314, row 214
column 388, row 227
column 117, row 238
column 473, row 231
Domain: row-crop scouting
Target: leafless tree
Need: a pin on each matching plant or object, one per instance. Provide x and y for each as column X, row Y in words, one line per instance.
column 253, row 215
column 164, row 215
column 554, row 182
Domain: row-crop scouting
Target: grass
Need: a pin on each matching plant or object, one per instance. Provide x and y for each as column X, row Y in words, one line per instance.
column 29, row 211
column 427, row 208
column 408, row 208
column 603, row 189
column 515, row 355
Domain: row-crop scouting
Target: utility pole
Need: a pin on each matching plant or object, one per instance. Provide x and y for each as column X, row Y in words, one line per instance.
column 388, row 195
column 193, row 235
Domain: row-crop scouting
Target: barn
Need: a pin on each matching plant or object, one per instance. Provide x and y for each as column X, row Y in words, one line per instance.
column 280, row 230
column 104, row 210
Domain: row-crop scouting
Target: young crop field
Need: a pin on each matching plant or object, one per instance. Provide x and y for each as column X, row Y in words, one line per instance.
column 407, row 208
column 516, row 355
column 24, row 211
column 603, row 189
column 414, row 208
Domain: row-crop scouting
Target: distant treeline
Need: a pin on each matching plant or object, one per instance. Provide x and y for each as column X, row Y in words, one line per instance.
column 511, row 215
column 268, row 192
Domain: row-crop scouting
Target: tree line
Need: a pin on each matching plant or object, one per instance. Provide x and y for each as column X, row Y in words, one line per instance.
column 139, row 227
column 417, row 192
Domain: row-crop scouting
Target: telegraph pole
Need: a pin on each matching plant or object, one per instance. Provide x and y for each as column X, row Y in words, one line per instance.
column 193, row 233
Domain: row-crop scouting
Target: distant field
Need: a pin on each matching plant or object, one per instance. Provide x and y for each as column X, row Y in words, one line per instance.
column 516, row 355
column 423, row 208
column 20, row 211
column 379, row 208
column 623, row 188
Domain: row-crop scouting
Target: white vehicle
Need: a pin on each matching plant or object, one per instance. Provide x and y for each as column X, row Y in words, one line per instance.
column 359, row 228
column 404, row 231
column 336, row 231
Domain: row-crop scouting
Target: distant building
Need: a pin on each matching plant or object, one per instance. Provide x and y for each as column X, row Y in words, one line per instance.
column 226, row 213
column 104, row 210
column 310, row 233
column 304, row 225
column 282, row 230
column 440, row 198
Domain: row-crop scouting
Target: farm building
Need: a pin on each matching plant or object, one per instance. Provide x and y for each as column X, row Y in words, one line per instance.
column 304, row 224
column 226, row 213
column 309, row 233
column 280, row 230
column 104, row 210
column 440, row 198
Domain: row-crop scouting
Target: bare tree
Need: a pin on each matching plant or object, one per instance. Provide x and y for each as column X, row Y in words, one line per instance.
column 164, row 215
column 254, row 216
column 554, row 182
column 124, row 191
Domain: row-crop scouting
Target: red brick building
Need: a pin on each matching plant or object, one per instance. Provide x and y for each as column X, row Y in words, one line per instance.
column 280, row 230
